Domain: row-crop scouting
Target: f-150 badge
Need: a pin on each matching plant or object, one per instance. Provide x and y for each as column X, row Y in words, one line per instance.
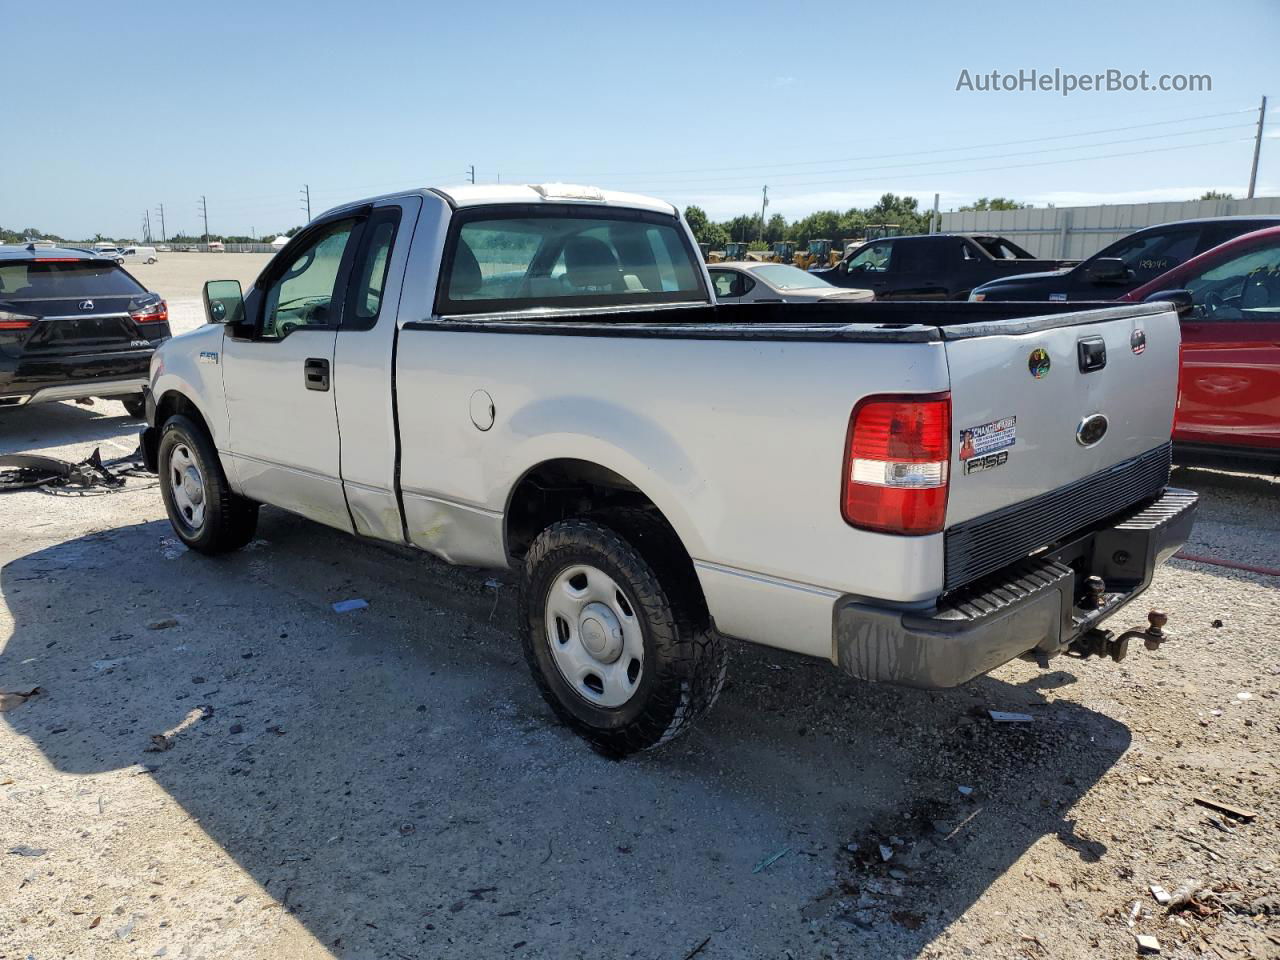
column 208, row 356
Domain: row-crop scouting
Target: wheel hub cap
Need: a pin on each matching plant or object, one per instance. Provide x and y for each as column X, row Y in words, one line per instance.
column 594, row 636
column 601, row 632
column 192, row 486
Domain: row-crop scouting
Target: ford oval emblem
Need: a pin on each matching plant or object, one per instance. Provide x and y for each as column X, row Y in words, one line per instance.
column 1091, row 430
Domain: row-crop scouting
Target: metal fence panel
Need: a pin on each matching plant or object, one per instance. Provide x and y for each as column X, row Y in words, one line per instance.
column 1073, row 233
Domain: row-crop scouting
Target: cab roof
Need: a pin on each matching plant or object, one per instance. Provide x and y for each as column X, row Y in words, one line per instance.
column 493, row 194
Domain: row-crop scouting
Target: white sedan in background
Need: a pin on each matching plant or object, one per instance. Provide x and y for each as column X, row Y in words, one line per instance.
column 747, row 282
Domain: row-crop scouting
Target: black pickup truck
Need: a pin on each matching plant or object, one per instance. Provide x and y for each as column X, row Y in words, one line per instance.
column 939, row 266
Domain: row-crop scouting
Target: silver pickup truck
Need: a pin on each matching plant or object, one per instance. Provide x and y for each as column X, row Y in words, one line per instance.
column 539, row 377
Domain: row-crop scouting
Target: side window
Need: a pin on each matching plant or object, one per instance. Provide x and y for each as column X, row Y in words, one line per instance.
column 873, row 258
column 1150, row 254
column 1246, row 287
column 369, row 273
column 303, row 296
column 747, row 285
column 728, row 283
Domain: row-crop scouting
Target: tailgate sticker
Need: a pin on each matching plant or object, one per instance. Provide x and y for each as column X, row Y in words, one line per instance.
column 988, row 437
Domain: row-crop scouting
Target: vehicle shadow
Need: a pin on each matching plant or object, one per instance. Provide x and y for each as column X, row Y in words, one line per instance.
column 46, row 425
column 392, row 781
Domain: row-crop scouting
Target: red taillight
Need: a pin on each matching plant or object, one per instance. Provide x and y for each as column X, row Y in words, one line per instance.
column 15, row 321
column 156, row 313
column 897, row 462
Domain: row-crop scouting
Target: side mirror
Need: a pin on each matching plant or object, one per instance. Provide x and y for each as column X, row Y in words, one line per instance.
column 224, row 301
column 1107, row 270
column 1182, row 301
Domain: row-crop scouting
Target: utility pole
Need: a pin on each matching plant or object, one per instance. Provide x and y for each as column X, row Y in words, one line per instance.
column 146, row 225
column 1257, row 147
column 164, row 238
column 764, row 205
column 306, row 199
column 935, row 223
column 471, row 173
column 204, row 212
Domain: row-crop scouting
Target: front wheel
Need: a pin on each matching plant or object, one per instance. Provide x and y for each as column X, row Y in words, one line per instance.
column 204, row 512
column 616, row 633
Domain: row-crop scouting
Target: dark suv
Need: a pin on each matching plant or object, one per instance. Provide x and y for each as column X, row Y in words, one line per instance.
column 74, row 325
column 1126, row 264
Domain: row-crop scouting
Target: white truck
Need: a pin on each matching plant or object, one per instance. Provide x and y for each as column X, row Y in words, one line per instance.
column 539, row 377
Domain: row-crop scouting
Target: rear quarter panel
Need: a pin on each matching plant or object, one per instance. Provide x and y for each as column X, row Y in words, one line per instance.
column 740, row 443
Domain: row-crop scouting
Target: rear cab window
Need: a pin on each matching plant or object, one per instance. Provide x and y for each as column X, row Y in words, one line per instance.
column 503, row 259
column 56, row 279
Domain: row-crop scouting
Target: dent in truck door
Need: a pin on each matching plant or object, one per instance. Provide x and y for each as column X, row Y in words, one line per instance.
column 279, row 382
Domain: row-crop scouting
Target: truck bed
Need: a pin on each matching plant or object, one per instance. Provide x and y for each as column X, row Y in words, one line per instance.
column 902, row 322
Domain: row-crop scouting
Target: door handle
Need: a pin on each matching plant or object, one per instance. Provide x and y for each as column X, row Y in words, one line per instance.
column 315, row 372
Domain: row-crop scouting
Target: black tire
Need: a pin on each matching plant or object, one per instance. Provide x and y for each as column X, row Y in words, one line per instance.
column 229, row 520
column 684, row 659
column 136, row 407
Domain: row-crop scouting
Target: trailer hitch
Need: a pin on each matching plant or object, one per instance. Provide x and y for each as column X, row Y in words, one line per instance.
column 1103, row 643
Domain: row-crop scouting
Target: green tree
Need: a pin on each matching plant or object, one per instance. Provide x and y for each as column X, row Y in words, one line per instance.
column 704, row 231
column 1216, row 195
column 775, row 229
column 744, row 228
column 995, row 203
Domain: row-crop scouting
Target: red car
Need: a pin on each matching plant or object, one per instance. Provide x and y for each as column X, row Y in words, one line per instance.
column 1229, row 379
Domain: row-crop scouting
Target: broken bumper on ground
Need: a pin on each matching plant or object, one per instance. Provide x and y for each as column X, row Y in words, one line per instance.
column 1038, row 606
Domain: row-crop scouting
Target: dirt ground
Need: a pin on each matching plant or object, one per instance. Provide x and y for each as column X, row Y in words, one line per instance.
column 388, row 784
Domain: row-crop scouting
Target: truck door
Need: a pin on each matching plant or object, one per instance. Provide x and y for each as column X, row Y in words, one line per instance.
column 363, row 364
column 1229, row 387
column 922, row 267
column 870, row 268
column 278, row 377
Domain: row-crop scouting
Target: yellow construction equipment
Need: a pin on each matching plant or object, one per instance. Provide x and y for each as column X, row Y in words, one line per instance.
column 783, row 251
column 818, row 254
column 735, row 251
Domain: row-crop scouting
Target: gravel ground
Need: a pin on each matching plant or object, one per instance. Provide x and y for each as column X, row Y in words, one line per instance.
column 387, row 783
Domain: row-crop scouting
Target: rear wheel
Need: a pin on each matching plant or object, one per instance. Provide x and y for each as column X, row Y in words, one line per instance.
column 615, row 632
column 136, row 407
column 204, row 512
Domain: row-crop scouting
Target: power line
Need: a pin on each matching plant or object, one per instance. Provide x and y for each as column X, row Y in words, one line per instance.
column 1014, row 166
column 990, row 156
column 912, row 153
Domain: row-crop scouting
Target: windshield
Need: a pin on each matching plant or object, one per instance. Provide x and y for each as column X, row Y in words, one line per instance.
column 49, row 280
column 616, row 257
column 782, row 276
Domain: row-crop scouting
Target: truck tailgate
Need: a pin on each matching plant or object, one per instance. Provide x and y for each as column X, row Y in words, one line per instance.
column 1027, row 409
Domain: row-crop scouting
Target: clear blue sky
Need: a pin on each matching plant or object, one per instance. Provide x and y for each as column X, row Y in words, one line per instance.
column 115, row 107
